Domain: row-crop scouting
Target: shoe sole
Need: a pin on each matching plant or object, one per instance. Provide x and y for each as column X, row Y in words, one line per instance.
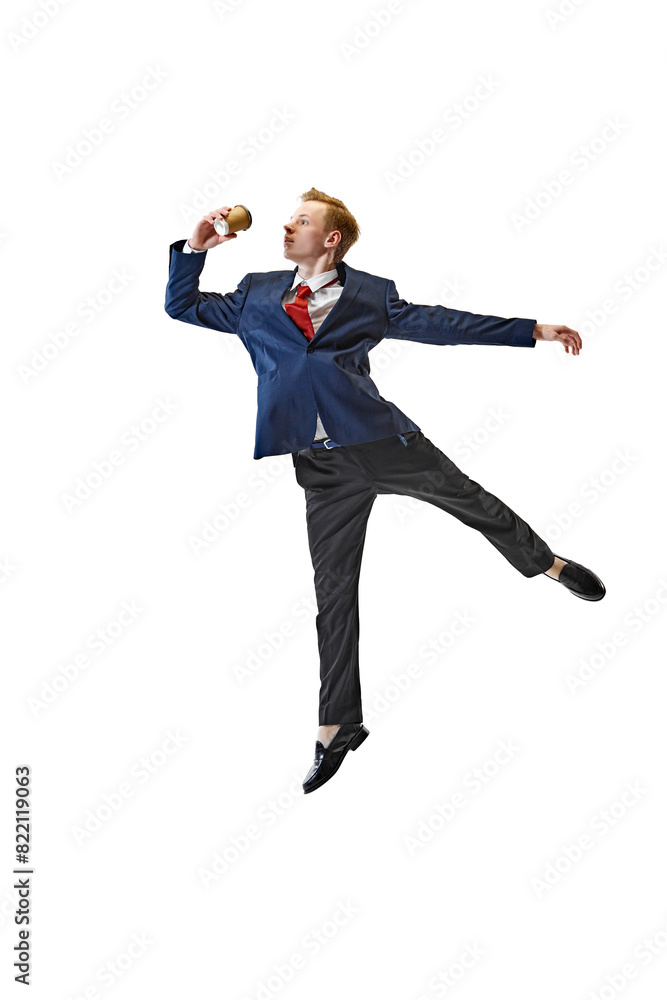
column 585, row 597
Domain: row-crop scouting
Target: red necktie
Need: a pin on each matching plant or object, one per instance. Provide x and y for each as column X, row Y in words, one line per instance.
column 298, row 310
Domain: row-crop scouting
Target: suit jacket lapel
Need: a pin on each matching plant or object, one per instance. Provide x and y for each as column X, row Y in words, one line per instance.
column 349, row 278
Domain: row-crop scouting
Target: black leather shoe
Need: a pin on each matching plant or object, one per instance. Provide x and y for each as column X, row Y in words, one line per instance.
column 349, row 736
column 580, row 581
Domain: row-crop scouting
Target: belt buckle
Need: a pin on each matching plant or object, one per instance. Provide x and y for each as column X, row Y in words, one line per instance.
column 327, row 445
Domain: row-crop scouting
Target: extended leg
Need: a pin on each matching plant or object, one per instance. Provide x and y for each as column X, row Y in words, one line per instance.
column 423, row 471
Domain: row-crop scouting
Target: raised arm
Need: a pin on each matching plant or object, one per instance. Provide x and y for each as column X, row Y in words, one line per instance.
column 184, row 301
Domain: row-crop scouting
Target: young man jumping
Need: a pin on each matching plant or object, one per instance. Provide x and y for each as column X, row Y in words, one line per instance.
column 309, row 331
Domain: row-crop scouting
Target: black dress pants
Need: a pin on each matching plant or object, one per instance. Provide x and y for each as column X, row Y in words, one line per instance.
column 341, row 485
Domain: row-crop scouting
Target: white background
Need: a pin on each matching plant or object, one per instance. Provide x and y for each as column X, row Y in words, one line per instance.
column 364, row 91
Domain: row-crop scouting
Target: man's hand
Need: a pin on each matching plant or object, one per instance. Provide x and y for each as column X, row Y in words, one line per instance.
column 205, row 236
column 570, row 339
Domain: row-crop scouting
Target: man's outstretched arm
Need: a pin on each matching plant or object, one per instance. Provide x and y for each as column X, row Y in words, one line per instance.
column 442, row 325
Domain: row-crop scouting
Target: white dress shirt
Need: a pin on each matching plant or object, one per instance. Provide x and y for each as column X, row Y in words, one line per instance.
column 320, row 302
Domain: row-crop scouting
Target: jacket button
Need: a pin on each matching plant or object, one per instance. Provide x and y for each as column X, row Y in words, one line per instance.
column 309, row 350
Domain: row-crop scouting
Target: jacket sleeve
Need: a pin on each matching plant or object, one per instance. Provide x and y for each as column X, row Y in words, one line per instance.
column 184, row 301
column 441, row 325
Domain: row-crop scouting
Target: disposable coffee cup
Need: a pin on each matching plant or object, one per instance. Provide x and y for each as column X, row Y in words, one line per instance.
column 238, row 219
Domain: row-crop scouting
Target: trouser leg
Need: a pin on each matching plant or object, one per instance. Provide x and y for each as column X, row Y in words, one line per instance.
column 421, row 470
column 338, row 502
column 340, row 487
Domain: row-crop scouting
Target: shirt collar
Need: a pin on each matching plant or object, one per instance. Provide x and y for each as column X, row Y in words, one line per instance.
column 317, row 280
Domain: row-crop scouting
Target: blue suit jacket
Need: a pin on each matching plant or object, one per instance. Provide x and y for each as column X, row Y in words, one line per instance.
column 296, row 378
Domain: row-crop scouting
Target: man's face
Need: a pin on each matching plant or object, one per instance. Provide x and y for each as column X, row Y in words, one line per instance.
column 304, row 234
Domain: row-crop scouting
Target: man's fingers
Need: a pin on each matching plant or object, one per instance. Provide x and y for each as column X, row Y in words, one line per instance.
column 573, row 334
column 570, row 339
column 217, row 213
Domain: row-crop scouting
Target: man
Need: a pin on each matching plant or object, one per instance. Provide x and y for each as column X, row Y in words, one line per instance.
column 308, row 332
